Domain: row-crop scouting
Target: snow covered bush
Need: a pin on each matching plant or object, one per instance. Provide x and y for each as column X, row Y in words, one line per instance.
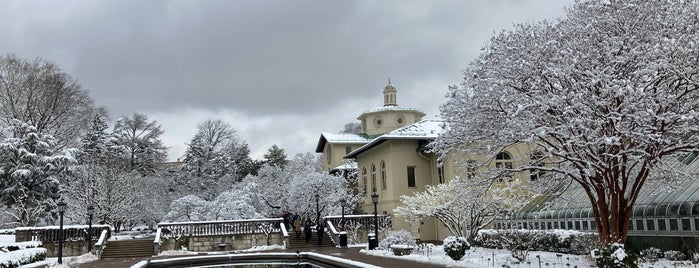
column 613, row 256
column 456, row 247
column 674, row 255
column 20, row 257
column 568, row 241
column 651, row 255
column 400, row 237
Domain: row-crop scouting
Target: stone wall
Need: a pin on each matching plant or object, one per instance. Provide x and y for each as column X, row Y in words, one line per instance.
column 70, row 248
column 220, row 242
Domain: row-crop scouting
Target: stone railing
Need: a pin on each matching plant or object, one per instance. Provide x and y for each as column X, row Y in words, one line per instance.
column 366, row 220
column 221, row 235
column 51, row 234
column 74, row 237
column 214, row 228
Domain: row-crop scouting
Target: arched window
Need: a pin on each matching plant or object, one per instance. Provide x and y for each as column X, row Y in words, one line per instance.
column 373, row 178
column 366, row 186
column 383, row 175
column 503, row 160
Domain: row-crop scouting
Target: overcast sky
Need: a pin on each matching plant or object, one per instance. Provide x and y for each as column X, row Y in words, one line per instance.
column 280, row 72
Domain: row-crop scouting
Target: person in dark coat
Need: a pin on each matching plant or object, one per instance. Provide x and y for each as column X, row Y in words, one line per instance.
column 307, row 230
column 321, row 229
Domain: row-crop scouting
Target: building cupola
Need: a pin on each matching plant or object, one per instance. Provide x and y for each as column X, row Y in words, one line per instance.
column 389, row 95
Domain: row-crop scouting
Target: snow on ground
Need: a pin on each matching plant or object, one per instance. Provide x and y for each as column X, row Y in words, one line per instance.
column 7, row 238
column 483, row 257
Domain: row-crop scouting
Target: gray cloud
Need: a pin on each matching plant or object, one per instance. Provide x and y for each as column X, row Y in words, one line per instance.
column 298, row 60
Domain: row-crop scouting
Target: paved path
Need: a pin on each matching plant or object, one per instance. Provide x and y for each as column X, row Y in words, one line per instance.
column 345, row 253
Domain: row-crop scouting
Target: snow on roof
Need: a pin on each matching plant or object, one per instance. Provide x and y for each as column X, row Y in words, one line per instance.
column 345, row 166
column 345, row 137
column 329, row 137
column 424, row 130
column 390, row 108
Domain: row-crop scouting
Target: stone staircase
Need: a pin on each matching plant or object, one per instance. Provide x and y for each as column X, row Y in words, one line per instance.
column 130, row 248
column 313, row 243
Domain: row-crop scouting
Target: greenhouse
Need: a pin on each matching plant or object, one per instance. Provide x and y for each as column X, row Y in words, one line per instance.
column 665, row 216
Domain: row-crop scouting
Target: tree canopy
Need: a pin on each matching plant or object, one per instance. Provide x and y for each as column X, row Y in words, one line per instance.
column 607, row 92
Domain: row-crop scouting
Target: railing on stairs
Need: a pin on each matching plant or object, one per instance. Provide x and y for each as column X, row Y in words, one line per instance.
column 334, row 234
column 157, row 242
column 365, row 220
column 285, row 236
column 101, row 243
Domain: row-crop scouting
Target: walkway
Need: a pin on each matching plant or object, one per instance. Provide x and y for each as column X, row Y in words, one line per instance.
column 345, row 253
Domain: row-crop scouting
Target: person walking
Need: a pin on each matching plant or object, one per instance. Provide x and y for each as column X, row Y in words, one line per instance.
column 307, row 230
column 297, row 227
column 321, row 229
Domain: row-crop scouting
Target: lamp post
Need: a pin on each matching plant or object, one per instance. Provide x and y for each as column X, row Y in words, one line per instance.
column 343, row 203
column 61, row 209
column 317, row 209
column 375, row 200
column 90, row 212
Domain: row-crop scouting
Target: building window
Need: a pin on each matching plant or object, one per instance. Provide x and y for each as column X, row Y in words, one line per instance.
column 411, row 176
column 503, row 160
column 685, row 225
column 440, row 174
column 328, row 154
column 348, row 150
column 366, row 186
column 661, row 225
column 650, row 224
column 639, row 225
column 383, row 175
column 373, row 178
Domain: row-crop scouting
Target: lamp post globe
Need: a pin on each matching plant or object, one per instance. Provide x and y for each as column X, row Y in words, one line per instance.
column 61, row 210
column 90, row 213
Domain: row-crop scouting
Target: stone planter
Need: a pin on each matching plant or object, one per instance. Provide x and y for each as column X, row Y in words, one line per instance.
column 401, row 250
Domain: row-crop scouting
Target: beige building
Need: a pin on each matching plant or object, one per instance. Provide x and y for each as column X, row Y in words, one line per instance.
column 391, row 160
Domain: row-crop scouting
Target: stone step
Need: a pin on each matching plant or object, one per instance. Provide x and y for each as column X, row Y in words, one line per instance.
column 128, row 248
column 313, row 243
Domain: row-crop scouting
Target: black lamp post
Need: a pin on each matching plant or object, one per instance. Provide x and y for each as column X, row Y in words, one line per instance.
column 90, row 212
column 317, row 210
column 343, row 203
column 61, row 210
column 375, row 200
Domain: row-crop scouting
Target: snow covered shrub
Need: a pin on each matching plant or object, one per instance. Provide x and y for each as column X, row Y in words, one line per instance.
column 614, row 256
column 400, row 237
column 20, row 257
column 674, row 255
column 583, row 243
column 651, row 255
column 456, row 247
column 519, row 242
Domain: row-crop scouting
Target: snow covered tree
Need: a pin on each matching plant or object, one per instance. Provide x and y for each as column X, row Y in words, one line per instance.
column 607, row 92
column 30, row 169
column 39, row 93
column 95, row 144
column 187, row 208
column 464, row 202
column 140, row 139
column 215, row 158
column 275, row 156
column 239, row 202
column 352, row 128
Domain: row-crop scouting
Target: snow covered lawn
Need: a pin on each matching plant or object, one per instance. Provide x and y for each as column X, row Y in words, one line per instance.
column 483, row 257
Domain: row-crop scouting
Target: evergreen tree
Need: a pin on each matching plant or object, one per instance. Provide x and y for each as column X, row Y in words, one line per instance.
column 275, row 156
column 30, row 169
